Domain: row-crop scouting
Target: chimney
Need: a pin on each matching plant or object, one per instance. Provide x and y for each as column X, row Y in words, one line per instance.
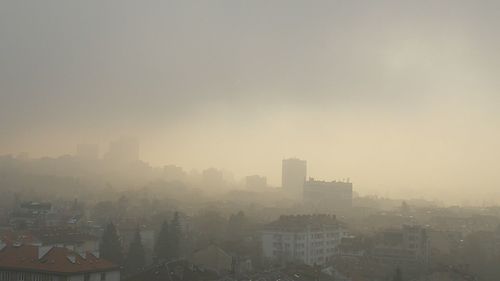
column 71, row 258
column 43, row 250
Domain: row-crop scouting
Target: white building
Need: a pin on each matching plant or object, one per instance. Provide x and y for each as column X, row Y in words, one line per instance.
column 37, row 263
column 311, row 239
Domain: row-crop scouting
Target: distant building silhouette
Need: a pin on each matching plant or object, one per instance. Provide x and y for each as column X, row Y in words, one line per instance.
column 294, row 173
column 324, row 196
column 87, row 151
column 408, row 246
column 212, row 177
column 255, row 182
column 123, row 150
column 174, row 173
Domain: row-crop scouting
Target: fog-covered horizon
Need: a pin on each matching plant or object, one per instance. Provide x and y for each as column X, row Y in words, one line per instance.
column 398, row 96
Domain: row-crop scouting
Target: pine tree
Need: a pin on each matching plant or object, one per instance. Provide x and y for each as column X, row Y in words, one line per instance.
column 175, row 237
column 110, row 247
column 236, row 226
column 136, row 259
column 162, row 247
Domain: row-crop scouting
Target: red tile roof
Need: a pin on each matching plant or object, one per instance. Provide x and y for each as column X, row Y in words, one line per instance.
column 56, row 260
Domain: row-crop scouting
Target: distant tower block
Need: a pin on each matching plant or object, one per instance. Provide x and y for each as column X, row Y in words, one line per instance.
column 294, row 173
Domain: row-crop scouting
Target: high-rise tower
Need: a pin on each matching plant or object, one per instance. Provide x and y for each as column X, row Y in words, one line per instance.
column 294, row 172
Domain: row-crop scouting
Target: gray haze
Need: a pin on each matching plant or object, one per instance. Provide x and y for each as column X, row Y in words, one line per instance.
column 400, row 96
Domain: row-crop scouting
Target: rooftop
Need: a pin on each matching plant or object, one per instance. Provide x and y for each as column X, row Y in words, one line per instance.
column 304, row 221
column 50, row 259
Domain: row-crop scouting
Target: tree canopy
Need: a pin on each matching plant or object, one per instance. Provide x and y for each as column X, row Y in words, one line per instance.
column 110, row 246
column 136, row 259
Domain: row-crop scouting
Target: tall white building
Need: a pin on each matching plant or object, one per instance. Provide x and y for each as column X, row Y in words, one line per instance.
column 293, row 176
column 311, row 239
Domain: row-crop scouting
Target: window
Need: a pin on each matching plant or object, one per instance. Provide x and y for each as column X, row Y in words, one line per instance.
column 86, row 277
column 5, row 276
column 103, row 276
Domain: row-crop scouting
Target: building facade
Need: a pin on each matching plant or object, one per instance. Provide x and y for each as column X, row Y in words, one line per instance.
column 323, row 196
column 310, row 239
column 409, row 244
column 293, row 175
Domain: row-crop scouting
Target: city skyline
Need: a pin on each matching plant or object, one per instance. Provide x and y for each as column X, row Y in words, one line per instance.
column 401, row 97
column 237, row 140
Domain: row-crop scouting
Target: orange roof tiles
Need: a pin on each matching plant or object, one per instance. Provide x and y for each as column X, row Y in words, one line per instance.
column 25, row 257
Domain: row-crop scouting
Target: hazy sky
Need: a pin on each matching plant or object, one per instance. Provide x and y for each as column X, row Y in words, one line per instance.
column 393, row 94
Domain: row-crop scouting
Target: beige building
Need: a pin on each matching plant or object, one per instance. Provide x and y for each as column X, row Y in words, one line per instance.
column 310, row 239
column 293, row 176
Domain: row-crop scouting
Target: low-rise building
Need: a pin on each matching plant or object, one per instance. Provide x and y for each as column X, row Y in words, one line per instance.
column 310, row 239
column 68, row 237
column 353, row 247
column 444, row 244
column 30, row 214
column 215, row 258
column 406, row 245
column 38, row 263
